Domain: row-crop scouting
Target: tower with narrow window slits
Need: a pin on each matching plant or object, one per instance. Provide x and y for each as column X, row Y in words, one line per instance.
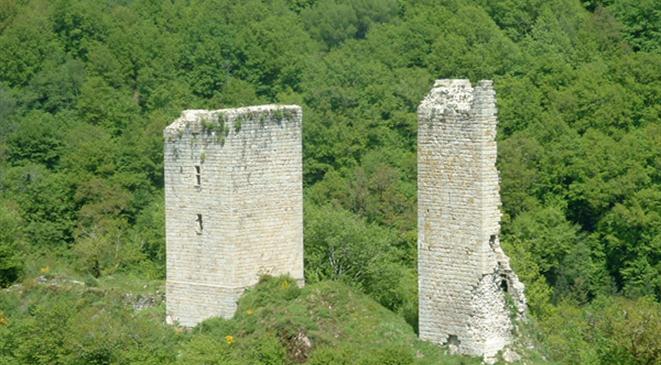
column 233, row 206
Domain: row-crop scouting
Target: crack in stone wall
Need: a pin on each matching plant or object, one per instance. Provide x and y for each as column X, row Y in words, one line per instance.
column 464, row 276
column 234, row 206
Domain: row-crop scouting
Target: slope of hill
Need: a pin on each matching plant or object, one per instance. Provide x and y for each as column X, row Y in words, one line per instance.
column 54, row 320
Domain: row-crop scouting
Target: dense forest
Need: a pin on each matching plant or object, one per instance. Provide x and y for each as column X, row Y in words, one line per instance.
column 86, row 88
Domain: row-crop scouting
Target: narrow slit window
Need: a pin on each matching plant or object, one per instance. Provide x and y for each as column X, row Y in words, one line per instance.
column 503, row 285
column 492, row 241
column 198, row 176
column 199, row 225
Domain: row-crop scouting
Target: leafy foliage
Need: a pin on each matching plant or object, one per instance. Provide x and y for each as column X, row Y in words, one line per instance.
column 86, row 89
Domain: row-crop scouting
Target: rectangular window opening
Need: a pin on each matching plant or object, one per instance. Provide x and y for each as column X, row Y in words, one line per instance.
column 504, row 284
column 198, row 176
column 199, row 227
column 453, row 340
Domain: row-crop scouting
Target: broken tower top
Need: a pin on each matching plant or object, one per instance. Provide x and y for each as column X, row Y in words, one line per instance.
column 464, row 276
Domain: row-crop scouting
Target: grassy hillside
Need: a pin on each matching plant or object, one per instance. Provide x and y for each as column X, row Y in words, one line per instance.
column 56, row 320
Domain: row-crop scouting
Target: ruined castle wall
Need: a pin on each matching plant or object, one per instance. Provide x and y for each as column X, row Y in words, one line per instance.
column 234, row 206
column 464, row 276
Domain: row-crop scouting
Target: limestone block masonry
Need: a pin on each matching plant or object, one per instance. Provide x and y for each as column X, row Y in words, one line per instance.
column 468, row 291
column 233, row 206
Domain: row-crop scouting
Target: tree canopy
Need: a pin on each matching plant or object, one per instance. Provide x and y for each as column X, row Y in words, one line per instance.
column 86, row 88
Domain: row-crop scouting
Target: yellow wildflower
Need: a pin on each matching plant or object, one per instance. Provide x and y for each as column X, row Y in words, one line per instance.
column 285, row 284
column 44, row 270
column 250, row 312
column 229, row 339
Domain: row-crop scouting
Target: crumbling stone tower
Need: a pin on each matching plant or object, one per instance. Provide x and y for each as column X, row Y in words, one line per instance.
column 233, row 206
column 465, row 280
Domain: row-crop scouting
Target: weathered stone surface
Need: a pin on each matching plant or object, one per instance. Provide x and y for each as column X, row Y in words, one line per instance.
column 464, row 276
column 240, row 170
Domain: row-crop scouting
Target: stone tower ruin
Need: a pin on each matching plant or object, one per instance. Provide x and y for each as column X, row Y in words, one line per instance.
column 233, row 206
column 468, row 292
